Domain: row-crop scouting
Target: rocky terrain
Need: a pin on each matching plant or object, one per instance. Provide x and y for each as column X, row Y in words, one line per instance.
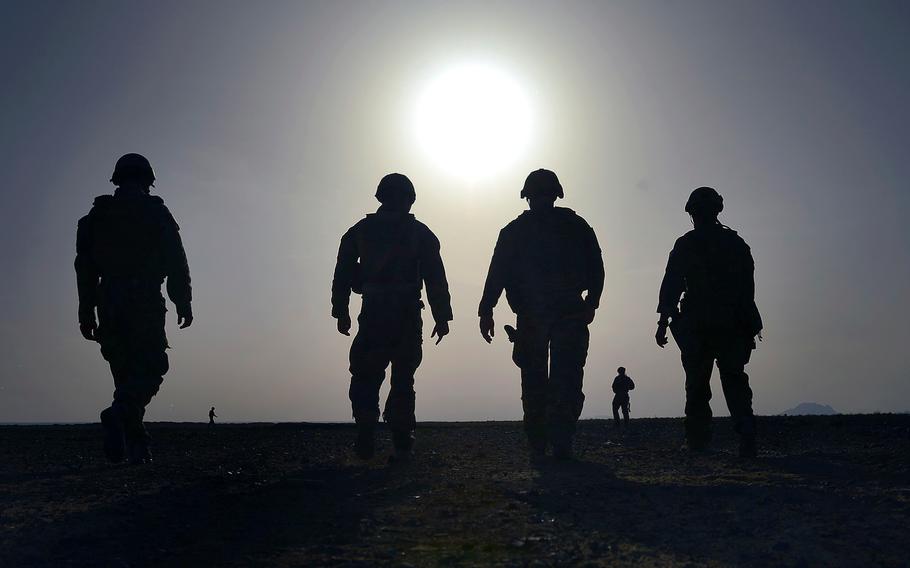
column 825, row 491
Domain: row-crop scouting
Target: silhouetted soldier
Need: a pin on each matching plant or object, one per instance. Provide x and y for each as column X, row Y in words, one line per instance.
column 622, row 384
column 125, row 247
column 212, row 416
column 544, row 260
column 717, row 320
column 388, row 257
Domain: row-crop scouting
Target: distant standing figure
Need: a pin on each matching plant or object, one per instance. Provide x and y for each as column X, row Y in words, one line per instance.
column 126, row 247
column 388, row 257
column 622, row 384
column 545, row 260
column 212, row 416
column 711, row 267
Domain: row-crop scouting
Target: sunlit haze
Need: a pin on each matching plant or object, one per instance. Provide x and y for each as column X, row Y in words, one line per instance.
column 270, row 124
column 473, row 120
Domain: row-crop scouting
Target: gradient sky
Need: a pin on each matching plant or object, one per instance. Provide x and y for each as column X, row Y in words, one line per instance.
column 269, row 125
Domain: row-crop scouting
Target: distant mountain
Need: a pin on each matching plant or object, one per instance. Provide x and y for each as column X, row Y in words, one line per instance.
column 810, row 409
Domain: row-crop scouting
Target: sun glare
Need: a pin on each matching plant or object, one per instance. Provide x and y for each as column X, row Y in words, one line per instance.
column 473, row 120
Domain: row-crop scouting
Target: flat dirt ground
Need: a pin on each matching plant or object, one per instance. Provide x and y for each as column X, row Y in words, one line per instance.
column 825, row 491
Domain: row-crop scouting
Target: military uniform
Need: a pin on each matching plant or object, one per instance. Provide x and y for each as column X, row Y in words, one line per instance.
column 388, row 257
column 125, row 247
column 717, row 320
column 622, row 384
column 544, row 260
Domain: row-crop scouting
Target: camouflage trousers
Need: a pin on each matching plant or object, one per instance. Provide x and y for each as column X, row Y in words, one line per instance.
column 133, row 341
column 390, row 332
column 621, row 403
column 551, row 353
column 699, row 351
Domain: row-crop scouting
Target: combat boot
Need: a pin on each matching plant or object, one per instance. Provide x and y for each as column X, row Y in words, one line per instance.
column 562, row 449
column 745, row 427
column 137, row 438
column 748, row 448
column 114, row 433
column 139, row 452
column 560, row 435
column 695, row 446
column 403, row 441
column 365, row 445
column 537, row 454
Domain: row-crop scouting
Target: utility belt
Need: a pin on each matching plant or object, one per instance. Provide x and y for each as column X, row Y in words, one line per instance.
column 549, row 315
column 390, row 290
column 554, row 303
column 700, row 315
column 131, row 282
column 385, row 300
column 689, row 323
column 117, row 289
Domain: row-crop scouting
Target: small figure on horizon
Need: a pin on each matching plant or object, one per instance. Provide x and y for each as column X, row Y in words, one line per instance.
column 125, row 248
column 712, row 268
column 622, row 384
column 388, row 257
column 212, row 416
column 545, row 260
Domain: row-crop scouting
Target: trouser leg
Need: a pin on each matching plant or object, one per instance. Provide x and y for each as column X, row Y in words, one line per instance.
column 625, row 412
column 530, row 354
column 368, row 362
column 120, row 373
column 400, row 405
column 732, row 357
column 136, row 353
column 568, row 352
column 698, row 362
column 616, row 406
column 145, row 381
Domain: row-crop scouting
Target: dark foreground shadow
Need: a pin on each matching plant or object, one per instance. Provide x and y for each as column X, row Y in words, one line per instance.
column 215, row 522
column 291, row 495
column 770, row 512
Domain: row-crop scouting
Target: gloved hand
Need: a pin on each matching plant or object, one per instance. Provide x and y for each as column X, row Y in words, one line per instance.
column 661, row 335
column 344, row 325
column 184, row 317
column 440, row 330
column 88, row 325
column 487, row 328
column 89, row 330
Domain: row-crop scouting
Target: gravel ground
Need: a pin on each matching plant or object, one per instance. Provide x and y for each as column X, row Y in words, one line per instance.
column 825, row 491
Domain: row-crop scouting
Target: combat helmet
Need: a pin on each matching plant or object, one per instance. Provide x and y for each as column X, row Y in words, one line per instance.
column 133, row 166
column 394, row 185
column 704, row 201
column 542, row 180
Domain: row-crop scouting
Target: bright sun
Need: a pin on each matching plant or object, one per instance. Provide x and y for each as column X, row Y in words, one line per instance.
column 473, row 120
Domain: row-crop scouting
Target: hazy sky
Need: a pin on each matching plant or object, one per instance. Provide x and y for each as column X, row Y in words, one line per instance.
column 270, row 123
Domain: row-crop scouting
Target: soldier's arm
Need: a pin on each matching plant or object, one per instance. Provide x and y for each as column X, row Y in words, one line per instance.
column 595, row 264
column 433, row 274
column 754, row 315
column 177, row 269
column 496, row 276
column 672, row 286
column 631, row 384
column 87, row 273
column 750, row 274
column 345, row 268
